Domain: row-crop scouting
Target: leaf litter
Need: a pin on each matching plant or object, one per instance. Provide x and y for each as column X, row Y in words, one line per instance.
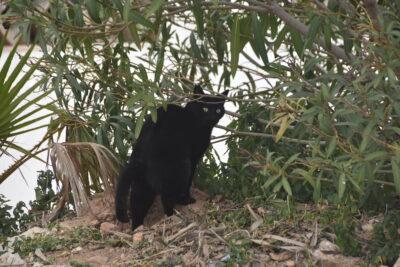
column 206, row 233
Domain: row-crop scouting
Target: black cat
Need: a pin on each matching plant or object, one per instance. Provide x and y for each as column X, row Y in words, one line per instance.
column 166, row 155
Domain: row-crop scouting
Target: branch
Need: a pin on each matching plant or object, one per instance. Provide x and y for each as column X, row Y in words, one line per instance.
column 371, row 6
column 237, row 115
column 348, row 7
column 288, row 139
column 277, row 10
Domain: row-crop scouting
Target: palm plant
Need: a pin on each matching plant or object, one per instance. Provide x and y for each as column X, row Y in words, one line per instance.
column 19, row 114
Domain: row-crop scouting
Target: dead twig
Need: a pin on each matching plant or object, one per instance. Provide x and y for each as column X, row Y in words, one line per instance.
column 180, row 233
column 285, row 240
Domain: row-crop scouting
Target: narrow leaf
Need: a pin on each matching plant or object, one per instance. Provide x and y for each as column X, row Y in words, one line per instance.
column 235, row 45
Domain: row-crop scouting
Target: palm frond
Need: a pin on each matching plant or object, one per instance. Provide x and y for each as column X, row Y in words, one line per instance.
column 70, row 171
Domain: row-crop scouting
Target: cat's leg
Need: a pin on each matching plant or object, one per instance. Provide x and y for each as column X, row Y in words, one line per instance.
column 142, row 198
column 168, row 203
column 185, row 198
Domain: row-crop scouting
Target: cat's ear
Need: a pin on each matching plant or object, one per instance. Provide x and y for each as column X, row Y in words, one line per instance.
column 225, row 93
column 198, row 90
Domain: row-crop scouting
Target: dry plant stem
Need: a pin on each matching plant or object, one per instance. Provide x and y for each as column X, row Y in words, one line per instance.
column 217, row 236
column 119, row 234
column 285, row 240
column 181, row 232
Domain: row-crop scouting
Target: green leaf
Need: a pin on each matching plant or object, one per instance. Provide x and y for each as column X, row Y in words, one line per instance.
column 270, row 181
column 314, row 26
column 331, row 147
column 279, row 39
column 367, row 135
column 130, row 15
column 376, row 155
column 139, row 123
column 88, row 48
column 307, row 176
column 282, row 128
column 297, row 41
column 327, row 34
column 348, row 44
column 193, row 45
column 355, row 185
column 220, row 42
column 153, row 113
column 341, row 185
column 93, row 9
column 235, row 45
column 259, row 38
column 291, row 160
column 286, row 186
column 143, row 73
column 198, row 15
column 317, row 190
column 396, row 172
column 159, row 66
column 154, row 6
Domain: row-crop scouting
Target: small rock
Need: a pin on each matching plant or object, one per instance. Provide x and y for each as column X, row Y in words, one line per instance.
column 106, row 227
column 94, row 223
column 226, row 258
column 283, row 256
column 327, row 246
column 105, row 216
column 367, row 227
column 217, row 198
column 397, row 263
column 206, row 251
column 255, row 263
column 188, row 258
column 98, row 260
column 77, row 249
column 290, row 263
column 138, row 235
column 12, row 259
column 40, row 255
column 261, row 211
column 337, row 260
column 29, row 233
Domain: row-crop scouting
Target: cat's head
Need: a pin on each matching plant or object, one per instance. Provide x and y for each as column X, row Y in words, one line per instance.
column 208, row 109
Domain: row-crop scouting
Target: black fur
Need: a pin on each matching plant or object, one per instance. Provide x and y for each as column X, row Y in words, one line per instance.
column 166, row 155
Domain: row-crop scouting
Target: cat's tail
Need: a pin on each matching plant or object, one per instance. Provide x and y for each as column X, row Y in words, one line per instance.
column 123, row 188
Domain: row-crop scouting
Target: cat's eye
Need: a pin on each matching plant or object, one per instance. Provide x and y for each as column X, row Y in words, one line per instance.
column 205, row 109
column 218, row 110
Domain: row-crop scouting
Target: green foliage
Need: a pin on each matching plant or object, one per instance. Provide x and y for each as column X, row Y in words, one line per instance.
column 19, row 112
column 46, row 243
column 346, row 239
column 239, row 252
column 44, row 193
column 12, row 220
column 386, row 240
column 17, row 219
column 80, row 236
column 315, row 88
column 45, row 197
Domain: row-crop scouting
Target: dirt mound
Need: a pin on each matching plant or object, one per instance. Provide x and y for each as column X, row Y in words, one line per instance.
column 211, row 232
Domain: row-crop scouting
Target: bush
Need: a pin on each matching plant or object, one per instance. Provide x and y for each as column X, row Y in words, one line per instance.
column 386, row 240
column 12, row 223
